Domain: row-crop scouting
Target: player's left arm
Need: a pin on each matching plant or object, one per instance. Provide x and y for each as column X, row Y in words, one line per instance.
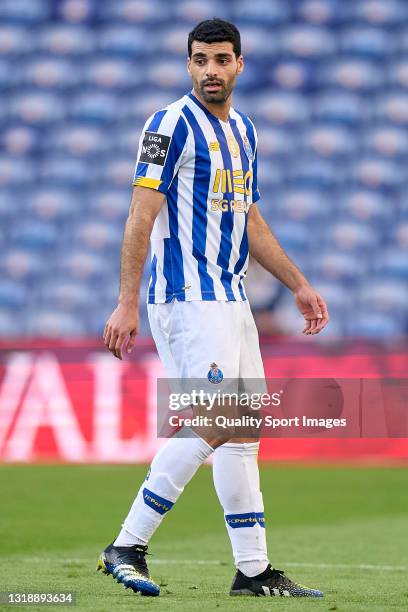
column 265, row 248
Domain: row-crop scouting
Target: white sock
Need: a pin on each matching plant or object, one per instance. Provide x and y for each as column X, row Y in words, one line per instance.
column 236, row 479
column 171, row 469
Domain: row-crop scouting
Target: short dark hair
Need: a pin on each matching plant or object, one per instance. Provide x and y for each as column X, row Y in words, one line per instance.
column 215, row 30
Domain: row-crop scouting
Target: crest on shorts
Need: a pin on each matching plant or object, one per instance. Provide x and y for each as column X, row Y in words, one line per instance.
column 215, row 375
column 248, row 148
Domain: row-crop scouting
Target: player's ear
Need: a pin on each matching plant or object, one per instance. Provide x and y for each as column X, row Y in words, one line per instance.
column 188, row 65
column 240, row 64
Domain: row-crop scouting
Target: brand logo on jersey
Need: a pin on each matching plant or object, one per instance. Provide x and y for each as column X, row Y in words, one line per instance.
column 248, row 148
column 226, row 181
column 154, row 148
column 214, row 146
column 237, row 206
column 215, row 375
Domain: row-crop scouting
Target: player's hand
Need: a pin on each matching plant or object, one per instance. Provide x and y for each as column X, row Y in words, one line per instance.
column 123, row 323
column 313, row 308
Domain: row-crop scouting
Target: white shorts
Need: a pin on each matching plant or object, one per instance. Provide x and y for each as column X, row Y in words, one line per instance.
column 194, row 337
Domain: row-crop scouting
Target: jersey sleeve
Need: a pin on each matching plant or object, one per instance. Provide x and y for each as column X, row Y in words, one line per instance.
column 161, row 148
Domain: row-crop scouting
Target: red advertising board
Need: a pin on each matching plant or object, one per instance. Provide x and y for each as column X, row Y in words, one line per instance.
column 74, row 402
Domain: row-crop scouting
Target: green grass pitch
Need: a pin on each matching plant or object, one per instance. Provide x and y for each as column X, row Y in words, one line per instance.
column 341, row 529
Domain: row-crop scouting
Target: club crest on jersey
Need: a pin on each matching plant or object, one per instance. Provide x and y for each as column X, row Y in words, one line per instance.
column 154, row 148
column 215, row 375
column 248, row 148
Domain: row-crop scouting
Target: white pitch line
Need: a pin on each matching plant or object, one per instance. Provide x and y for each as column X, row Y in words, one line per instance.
column 390, row 568
column 362, row 566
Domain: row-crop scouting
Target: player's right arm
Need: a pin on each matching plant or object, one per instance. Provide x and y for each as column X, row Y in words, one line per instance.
column 124, row 321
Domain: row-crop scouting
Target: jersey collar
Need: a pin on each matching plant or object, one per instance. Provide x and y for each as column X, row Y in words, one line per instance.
column 207, row 112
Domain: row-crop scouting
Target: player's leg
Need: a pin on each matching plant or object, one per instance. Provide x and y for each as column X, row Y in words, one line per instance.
column 236, row 473
column 237, row 482
column 180, row 331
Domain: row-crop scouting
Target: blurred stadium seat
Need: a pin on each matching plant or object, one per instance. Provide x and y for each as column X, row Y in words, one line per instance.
column 384, row 296
column 350, row 74
column 328, row 140
column 65, row 40
column 377, row 12
column 51, row 72
column 367, row 42
column 37, row 107
column 326, row 83
column 14, row 41
column 374, row 326
column 319, row 11
column 368, row 206
column 386, row 140
column 351, row 236
column 20, row 139
column 343, row 268
column 27, row 13
column 271, row 12
column 76, row 11
column 128, row 11
column 49, row 323
column 393, row 264
column 307, row 41
column 339, row 106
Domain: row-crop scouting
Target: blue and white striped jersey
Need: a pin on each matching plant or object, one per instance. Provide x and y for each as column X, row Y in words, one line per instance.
column 207, row 168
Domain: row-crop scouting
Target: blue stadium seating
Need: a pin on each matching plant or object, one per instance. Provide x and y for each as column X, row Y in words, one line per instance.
column 377, row 12
column 341, row 107
column 76, row 11
column 400, row 235
column 22, row 265
column 271, row 12
column 319, row 12
column 369, row 206
column 13, row 294
column 326, row 82
column 386, row 140
column 387, row 296
column 50, row 323
column 53, row 73
column 35, row 106
column 351, row 74
column 343, row 268
column 393, row 264
column 110, row 205
column 392, row 106
column 369, row 325
column 367, row 42
column 144, row 12
column 330, row 141
column 23, row 12
column 18, row 139
column 14, row 42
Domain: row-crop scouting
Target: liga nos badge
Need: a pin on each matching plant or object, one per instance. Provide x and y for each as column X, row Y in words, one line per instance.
column 155, row 148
